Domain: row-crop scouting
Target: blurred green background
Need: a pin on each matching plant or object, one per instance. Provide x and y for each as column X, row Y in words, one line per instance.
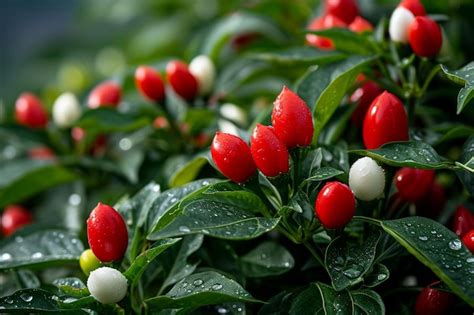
column 51, row 46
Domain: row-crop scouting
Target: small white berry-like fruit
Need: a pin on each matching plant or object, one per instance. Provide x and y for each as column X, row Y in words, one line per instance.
column 203, row 69
column 235, row 113
column 366, row 179
column 399, row 22
column 107, row 285
column 66, row 110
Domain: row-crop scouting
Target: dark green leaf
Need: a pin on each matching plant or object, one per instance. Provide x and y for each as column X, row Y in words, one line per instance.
column 463, row 76
column 38, row 301
column 267, row 259
column 175, row 260
column 439, row 249
column 23, row 178
column 42, row 248
column 140, row 263
column 321, row 174
column 216, row 218
column 323, row 88
column 347, row 41
column 367, row 302
column 200, row 289
column 348, row 263
column 376, row 276
column 278, row 305
column 319, row 298
column 169, row 199
column 416, row 154
column 27, row 279
column 467, row 177
column 105, row 120
column 300, row 56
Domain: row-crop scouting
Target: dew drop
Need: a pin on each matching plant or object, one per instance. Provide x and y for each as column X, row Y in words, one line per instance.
column 75, row 199
column 5, row 257
column 222, row 310
column 184, row 229
column 26, row 297
column 423, row 238
column 455, row 244
column 470, row 260
column 217, row 286
column 381, row 277
column 197, row 282
column 37, row 255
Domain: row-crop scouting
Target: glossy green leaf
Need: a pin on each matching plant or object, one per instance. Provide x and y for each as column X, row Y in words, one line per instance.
column 320, row 298
column 239, row 24
column 217, row 218
column 40, row 248
column 175, row 260
column 40, row 301
column 439, row 249
column 278, row 305
column 188, row 171
column 104, row 120
column 72, row 287
column 299, row 56
column 416, row 154
column 376, row 276
column 237, row 73
column 140, row 263
column 324, row 87
column 23, row 178
column 166, row 204
column 321, row 174
column 467, row 157
column 267, row 259
column 200, row 289
column 347, row 263
column 347, row 41
column 367, row 302
column 463, row 76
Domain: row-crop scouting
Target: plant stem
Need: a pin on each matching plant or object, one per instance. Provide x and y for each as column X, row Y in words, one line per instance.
column 411, row 111
column 368, row 220
column 313, row 252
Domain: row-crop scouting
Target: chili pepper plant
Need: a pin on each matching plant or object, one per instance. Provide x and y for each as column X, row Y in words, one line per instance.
column 315, row 164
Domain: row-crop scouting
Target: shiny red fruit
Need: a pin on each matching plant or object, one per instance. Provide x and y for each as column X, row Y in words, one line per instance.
column 292, row 119
column 432, row 203
column 335, row 205
column 268, row 151
column 468, row 240
column 232, row 157
column 149, row 83
column 425, row 37
column 30, row 112
column 346, row 10
column 363, row 97
column 106, row 94
column 463, row 221
column 385, row 121
column 181, row 80
column 431, row 301
column 360, row 25
column 415, row 6
column 322, row 23
column 107, row 233
column 413, row 184
column 13, row 218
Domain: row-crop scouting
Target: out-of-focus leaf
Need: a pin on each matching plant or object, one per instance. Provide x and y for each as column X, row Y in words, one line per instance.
column 463, row 76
